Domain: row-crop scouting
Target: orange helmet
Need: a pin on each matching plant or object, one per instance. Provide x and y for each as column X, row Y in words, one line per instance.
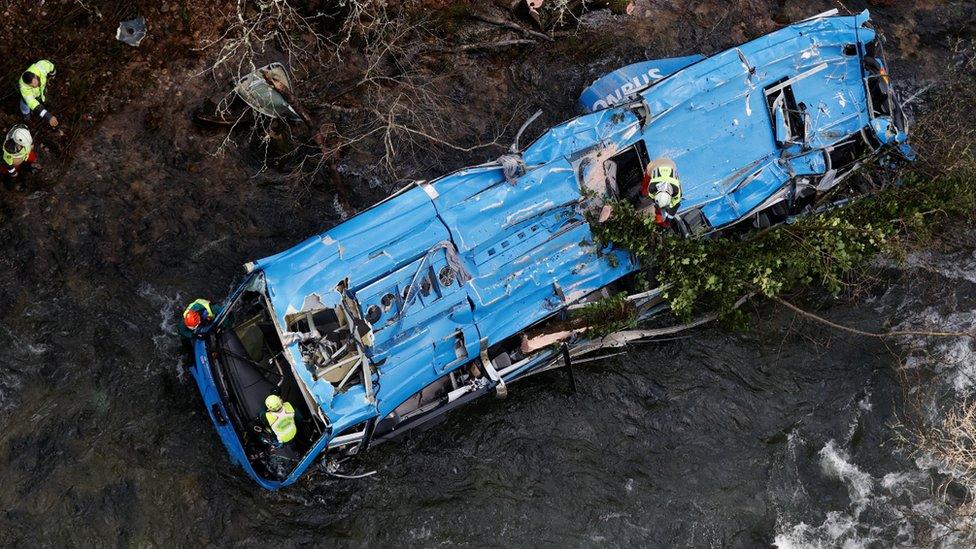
column 192, row 319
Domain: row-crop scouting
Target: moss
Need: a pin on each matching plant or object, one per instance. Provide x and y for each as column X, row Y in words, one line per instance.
column 453, row 18
column 586, row 46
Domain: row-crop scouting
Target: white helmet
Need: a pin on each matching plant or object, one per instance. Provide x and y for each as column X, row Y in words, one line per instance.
column 663, row 199
column 21, row 136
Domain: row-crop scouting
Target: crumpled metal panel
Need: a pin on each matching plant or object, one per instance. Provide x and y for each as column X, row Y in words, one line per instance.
column 522, row 241
column 712, row 118
column 527, row 246
column 132, row 31
column 580, row 135
column 260, row 96
column 362, row 249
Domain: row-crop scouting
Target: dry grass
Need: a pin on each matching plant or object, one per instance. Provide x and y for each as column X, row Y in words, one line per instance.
column 372, row 86
column 944, row 134
column 261, row 29
column 950, row 445
column 937, row 426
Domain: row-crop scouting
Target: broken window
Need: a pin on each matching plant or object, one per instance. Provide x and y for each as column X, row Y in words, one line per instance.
column 446, row 276
column 787, row 116
column 847, row 153
column 625, row 171
column 253, row 332
column 249, row 363
column 334, row 340
column 879, row 88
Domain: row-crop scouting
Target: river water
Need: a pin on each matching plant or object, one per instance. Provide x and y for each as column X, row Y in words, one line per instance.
column 781, row 434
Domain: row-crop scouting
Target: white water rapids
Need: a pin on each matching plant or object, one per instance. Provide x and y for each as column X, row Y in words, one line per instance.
column 902, row 507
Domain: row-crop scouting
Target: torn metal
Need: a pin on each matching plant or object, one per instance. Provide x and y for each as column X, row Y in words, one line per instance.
column 132, row 31
column 455, row 288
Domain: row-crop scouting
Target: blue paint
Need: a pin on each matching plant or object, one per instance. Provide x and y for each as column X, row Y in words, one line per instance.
column 614, row 88
column 525, row 249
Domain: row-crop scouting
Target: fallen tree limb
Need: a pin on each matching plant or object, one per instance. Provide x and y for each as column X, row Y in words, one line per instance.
column 621, row 339
column 848, row 329
column 498, row 44
column 510, row 25
column 321, row 130
column 340, row 108
column 617, row 339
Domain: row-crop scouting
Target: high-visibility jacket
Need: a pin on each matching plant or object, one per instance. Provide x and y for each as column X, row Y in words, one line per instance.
column 16, row 156
column 282, row 422
column 35, row 97
column 200, row 304
column 14, row 161
column 665, row 175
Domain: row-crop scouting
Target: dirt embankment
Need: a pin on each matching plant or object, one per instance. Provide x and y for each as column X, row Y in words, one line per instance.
column 133, row 189
column 131, row 182
column 97, row 74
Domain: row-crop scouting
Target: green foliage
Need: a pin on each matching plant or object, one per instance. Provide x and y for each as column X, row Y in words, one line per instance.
column 606, row 316
column 630, row 230
column 826, row 249
column 717, row 272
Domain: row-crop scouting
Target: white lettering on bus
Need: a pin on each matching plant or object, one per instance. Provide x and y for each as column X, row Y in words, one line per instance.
column 628, row 88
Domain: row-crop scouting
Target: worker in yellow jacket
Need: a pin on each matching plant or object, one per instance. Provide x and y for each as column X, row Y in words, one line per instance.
column 33, row 91
column 281, row 417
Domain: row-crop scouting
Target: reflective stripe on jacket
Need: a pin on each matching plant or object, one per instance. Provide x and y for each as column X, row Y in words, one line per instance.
column 202, row 303
column 12, row 158
column 282, row 422
column 661, row 171
column 674, row 191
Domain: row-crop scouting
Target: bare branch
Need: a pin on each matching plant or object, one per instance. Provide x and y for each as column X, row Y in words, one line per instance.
column 855, row 331
column 510, row 25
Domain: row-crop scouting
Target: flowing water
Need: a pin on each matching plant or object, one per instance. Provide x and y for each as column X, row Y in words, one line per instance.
column 781, row 434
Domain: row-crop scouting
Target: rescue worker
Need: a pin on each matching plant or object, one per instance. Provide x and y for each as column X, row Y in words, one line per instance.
column 197, row 315
column 662, row 186
column 18, row 152
column 33, row 88
column 281, row 418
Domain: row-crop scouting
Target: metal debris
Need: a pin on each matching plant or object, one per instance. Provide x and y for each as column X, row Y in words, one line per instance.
column 260, row 96
column 132, row 31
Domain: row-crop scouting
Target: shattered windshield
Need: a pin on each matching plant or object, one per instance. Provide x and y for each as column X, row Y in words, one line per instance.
column 333, row 341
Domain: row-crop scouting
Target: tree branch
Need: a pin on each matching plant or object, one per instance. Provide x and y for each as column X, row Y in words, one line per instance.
column 855, row 331
column 510, row 25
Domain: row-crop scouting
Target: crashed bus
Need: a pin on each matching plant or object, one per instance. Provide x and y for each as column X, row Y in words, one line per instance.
column 455, row 288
